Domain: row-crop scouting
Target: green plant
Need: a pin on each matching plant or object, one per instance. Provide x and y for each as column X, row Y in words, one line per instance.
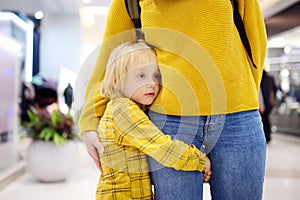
column 55, row 126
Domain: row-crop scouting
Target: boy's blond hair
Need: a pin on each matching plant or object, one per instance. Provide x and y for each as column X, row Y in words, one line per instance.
column 122, row 59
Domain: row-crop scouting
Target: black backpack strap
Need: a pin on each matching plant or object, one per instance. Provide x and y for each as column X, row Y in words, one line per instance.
column 241, row 29
column 134, row 12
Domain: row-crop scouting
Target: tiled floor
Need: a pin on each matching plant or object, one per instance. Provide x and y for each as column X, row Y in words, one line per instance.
column 282, row 177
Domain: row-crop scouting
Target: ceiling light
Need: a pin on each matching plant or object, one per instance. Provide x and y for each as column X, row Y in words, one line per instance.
column 287, row 49
column 86, row 1
column 38, row 15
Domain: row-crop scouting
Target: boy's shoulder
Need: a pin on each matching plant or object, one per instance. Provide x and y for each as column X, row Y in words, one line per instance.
column 122, row 103
column 121, row 100
column 122, row 106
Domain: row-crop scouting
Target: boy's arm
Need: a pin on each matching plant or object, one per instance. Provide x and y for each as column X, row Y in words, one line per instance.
column 133, row 128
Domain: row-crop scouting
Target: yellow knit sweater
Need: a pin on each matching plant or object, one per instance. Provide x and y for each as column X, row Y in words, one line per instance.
column 205, row 68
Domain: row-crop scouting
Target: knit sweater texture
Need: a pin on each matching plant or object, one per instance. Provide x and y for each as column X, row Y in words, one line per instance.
column 204, row 65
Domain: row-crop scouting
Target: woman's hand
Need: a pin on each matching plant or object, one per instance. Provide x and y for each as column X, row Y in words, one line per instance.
column 94, row 147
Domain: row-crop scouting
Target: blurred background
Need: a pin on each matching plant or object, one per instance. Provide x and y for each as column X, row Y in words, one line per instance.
column 44, row 44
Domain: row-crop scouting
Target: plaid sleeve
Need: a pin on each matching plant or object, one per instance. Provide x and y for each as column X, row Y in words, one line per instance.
column 132, row 127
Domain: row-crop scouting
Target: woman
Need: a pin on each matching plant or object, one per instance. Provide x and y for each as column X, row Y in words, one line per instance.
column 209, row 93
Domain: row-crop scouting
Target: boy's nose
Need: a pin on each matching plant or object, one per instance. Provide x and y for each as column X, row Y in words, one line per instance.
column 151, row 83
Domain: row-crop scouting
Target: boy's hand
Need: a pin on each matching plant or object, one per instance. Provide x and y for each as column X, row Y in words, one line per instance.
column 207, row 171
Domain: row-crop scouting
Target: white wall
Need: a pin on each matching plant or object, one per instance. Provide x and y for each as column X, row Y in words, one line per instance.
column 92, row 25
column 66, row 40
column 60, row 44
column 9, row 119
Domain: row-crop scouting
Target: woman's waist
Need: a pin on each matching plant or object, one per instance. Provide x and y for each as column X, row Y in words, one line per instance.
column 203, row 102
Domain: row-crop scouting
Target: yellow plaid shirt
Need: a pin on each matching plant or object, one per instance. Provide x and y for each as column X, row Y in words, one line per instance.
column 128, row 135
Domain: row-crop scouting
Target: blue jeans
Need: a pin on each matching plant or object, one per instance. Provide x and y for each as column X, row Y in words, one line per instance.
column 236, row 146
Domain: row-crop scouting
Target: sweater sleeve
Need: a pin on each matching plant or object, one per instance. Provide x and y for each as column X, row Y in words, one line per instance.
column 119, row 28
column 133, row 128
